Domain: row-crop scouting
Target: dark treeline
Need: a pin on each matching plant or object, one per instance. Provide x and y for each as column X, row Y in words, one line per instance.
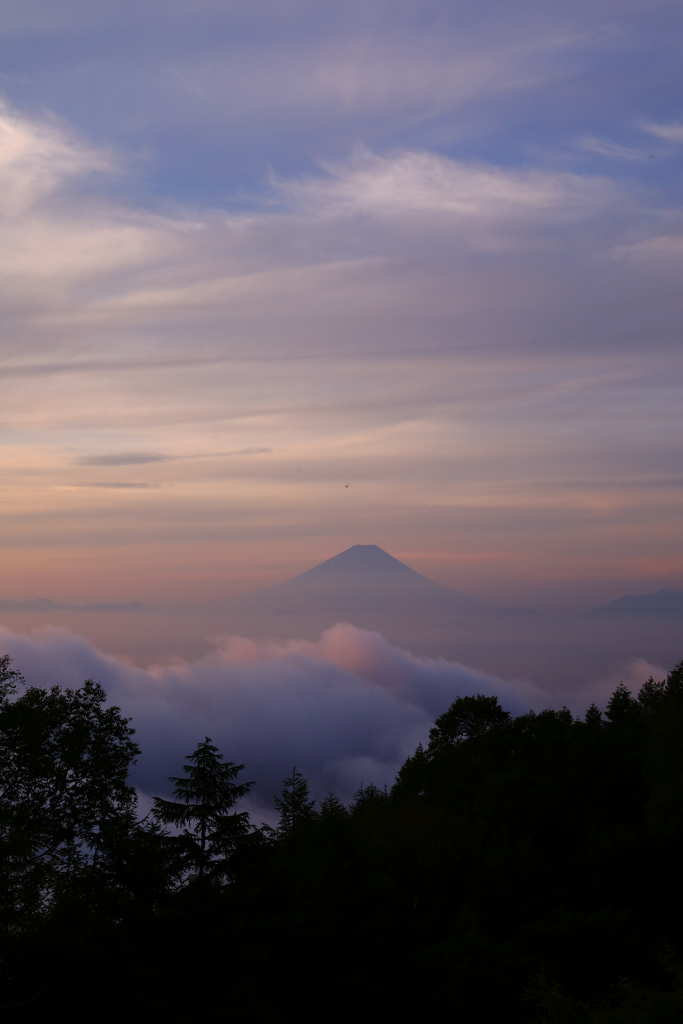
column 520, row 869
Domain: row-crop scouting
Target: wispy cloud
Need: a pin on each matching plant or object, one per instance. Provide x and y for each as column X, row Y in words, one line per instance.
column 121, row 459
column 122, row 485
column 604, row 147
column 414, row 182
column 143, row 458
column 37, row 156
column 672, row 132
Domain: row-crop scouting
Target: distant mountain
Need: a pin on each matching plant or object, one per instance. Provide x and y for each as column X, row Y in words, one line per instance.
column 37, row 604
column 362, row 560
column 44, row 604
column 362, row 579
column 129, row 606
column 661, row 602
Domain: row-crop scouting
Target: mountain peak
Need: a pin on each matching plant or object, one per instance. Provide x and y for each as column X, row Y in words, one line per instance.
column 364, row 585
column 361, row 559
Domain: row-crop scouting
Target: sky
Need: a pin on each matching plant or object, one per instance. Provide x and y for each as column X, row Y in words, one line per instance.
column 282, row 277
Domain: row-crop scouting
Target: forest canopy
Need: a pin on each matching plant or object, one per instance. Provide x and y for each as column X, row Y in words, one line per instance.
column 520, row 868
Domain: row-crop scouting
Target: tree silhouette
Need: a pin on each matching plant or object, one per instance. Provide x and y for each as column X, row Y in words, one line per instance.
column 293, row 803
column 203, row 806
column 466, row 718
column 332, row 807
column 64, row 762
column 593, row 716
column 622, row 707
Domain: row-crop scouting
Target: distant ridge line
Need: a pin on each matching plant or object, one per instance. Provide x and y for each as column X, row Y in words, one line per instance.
column 657, row 602
column 46, row 604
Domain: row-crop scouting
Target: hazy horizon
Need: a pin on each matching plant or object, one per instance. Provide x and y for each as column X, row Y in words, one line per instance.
column 367, row 591
column 563, row 601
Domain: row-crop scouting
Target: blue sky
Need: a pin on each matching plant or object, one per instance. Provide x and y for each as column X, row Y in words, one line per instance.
column 206, row 98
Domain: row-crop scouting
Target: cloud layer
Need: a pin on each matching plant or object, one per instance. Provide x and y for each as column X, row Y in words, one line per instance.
column 346, row 709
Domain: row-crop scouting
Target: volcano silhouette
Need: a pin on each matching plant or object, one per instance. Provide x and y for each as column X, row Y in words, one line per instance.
column 362, row 580
column 362, row 560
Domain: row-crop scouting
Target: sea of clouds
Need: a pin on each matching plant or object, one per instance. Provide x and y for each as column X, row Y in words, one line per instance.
column 346, row 709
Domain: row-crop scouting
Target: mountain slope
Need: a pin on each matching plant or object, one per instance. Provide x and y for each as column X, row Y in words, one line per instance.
column 363, row 579
column 362, row 560
column 661, row 602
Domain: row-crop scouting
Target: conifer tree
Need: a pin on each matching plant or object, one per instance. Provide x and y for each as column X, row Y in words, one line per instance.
column 293, row 803
column 203, row 806
column 369, row 796
column 674, row 680
column 593, row 716
column 332, row 807
column 622, row 707
column 652, row 695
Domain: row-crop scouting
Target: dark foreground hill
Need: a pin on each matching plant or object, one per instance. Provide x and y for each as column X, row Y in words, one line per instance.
column 523, row 870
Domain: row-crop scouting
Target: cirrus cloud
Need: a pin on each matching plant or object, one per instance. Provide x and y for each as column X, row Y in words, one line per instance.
column 443, row 333
column 37, row 156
